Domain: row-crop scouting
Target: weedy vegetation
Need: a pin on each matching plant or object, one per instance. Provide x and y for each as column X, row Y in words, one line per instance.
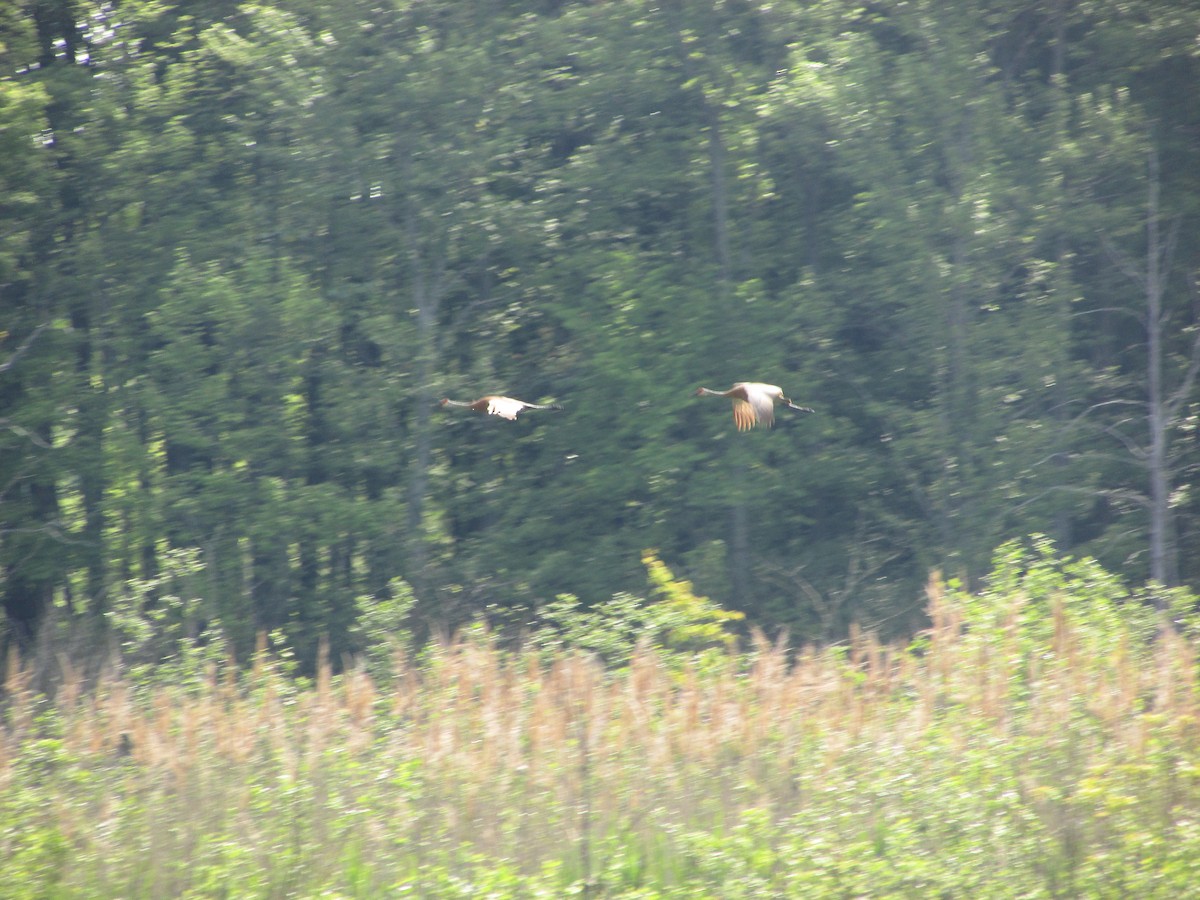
column 1039, row 739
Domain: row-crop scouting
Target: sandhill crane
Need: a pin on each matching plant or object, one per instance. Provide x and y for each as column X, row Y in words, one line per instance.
column 504, row 407
column 753, row 402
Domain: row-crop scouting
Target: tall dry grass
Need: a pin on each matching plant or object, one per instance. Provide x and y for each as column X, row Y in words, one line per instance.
column 965, row 759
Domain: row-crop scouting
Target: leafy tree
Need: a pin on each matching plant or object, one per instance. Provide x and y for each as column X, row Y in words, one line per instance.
column 246, row 248
column 675, row 619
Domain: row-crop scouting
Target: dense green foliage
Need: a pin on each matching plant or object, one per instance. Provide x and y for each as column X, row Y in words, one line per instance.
column 245, row 247
column 1041, row 739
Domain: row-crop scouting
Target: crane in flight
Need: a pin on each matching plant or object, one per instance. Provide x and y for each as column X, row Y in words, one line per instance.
column 504, row 407
column 753, row 402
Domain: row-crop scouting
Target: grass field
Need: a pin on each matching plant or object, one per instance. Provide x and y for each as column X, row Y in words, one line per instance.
column 1040, row 740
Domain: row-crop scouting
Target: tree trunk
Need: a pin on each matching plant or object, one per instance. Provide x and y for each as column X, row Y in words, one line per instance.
column 1162, row 550
column 1063, row 531
column 426, row 298
column 93, row 408
column 739, row 514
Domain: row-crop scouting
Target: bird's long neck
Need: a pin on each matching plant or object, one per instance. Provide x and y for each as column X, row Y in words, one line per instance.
column 705, row 390
column 450, row 402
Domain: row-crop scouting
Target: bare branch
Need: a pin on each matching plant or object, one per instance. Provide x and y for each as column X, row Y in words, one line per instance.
column 1104, row 403
column 1180, row 395
column 1111, row 428
column 25, row 345
column 1135, row 450
column 1122, row 262
column 1168, row 250
column 1087, row 456
column 25, row 433
column 1134, row 314
column 1121, row 494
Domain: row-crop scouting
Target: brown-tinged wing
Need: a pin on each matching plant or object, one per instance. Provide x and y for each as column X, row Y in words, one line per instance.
column 762, row 403
column 744, row 415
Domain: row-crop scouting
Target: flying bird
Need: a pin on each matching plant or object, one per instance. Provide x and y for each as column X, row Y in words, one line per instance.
column 504, row 407
column 753, row 402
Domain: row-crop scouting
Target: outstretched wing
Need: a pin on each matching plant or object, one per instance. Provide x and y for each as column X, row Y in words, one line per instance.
column 744, row 415
column 758, row 406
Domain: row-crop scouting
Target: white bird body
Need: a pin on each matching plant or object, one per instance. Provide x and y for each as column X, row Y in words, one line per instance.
column 753, row 402
column 504, row 407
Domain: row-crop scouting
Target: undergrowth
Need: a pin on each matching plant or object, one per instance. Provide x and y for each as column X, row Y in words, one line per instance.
column 1040, row 739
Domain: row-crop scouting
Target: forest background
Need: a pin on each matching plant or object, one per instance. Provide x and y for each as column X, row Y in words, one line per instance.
column 246, row 247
